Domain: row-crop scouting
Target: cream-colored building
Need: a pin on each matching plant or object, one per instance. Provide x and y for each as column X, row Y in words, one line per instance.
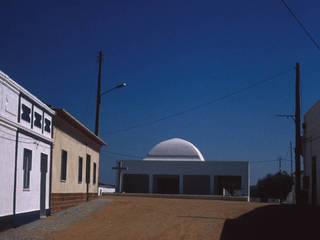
column 75, row 163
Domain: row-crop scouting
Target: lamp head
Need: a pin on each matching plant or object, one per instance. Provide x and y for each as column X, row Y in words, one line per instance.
column 121, row 85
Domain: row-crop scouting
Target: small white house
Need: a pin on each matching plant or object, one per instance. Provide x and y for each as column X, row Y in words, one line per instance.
column 311, row 153
column 106, row 188
column 25, row 154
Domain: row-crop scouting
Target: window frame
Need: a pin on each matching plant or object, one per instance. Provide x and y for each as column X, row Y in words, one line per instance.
column 47, row 125
column 94, row 172
column 80, row 169
column 27, row 167
column 64, row 164
column 88, row 168
column 35, row 119
column 23, row 113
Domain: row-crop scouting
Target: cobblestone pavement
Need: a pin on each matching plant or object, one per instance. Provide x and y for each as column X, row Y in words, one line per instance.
column 42, row 228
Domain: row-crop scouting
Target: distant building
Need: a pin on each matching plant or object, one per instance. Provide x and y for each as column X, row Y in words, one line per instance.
column 311, row 149
column 75, row 164
column 106, row 188
column 25, row 148
column 176, row 166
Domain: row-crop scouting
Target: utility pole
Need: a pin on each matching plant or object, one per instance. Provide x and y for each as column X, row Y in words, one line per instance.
column 280, row 159
column 291, row 162
column 281, row 184
column 298, row 138
column 100, row 59
column 119, row 169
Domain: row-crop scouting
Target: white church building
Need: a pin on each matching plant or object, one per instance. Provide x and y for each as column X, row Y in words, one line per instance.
column 25, row 154
column 176, row 166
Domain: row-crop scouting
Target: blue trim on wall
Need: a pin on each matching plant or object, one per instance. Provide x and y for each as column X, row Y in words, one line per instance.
column 17, row 220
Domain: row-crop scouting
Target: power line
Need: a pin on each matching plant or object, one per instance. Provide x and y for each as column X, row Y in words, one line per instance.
column 196, row 107
column 263, row 161
column 30, row 141
column 301, row 25
column 124, row 154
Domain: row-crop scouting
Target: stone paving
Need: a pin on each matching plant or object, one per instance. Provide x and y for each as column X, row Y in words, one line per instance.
column 38, row 230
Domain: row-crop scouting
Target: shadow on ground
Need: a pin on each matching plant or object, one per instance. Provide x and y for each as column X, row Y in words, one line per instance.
column 275, row 222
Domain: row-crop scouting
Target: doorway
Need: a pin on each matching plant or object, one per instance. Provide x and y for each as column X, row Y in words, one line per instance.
column 229, row 183
column 314, row 197
column 43, row 183
column 166, row 184
column 135, row 183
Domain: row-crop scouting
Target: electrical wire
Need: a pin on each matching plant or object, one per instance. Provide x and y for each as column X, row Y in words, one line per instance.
column 305, row 30
column 196, row 107
column 124, row 154
column 20, row 141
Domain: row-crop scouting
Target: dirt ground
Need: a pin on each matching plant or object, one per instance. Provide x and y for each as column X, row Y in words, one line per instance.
column 157, row 218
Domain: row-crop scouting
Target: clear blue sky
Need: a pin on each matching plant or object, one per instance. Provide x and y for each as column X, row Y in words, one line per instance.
column 173, row 55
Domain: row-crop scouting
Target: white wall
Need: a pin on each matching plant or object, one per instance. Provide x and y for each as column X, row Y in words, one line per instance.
column 29, row 199
column 8, row 102
column 7, row 158
column 102, row 190
column 26, row 201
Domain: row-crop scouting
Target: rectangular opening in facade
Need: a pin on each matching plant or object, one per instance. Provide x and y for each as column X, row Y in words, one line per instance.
column 196, row 184
column 166, row 184
column 228, row 183
column 314, row 197
column 135, row 183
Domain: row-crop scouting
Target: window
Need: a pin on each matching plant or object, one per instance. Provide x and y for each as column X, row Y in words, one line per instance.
column 80, row 170
column 88, row 162
column 37, row 119
column 27, row 163
column 47, row 125
column 94, row 173
column 26, row 113
column 64, row 158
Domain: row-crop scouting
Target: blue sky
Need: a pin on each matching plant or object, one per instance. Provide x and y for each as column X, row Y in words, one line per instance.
column 173, row 55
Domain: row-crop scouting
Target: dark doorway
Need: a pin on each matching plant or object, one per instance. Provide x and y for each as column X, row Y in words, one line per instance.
column 314, row 197
column 43, row 183
column 135, row 183
column 196, row 184
column 166, row 184
column 230, row 183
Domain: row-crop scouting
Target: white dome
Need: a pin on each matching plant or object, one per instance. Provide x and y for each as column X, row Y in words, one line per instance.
column 175, row 149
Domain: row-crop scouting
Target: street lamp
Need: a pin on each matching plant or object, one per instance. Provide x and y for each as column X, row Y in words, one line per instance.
column 99, row 95
column 120, row 85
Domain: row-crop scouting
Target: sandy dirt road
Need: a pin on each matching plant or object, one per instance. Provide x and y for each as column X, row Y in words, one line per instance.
column 156, row 218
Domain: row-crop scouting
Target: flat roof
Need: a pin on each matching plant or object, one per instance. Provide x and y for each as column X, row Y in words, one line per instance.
column 17, row 87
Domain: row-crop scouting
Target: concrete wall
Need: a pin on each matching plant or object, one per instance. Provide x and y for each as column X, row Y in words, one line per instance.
column 7, row 159
column 28, row 200
column 15, row 135
column 70, row 139
column 211, row 168
column 312, row 145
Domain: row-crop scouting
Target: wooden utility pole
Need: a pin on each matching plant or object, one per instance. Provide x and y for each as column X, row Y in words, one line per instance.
column 100, row 59
column 298, row 137
column 280, row 159
column 291, row 162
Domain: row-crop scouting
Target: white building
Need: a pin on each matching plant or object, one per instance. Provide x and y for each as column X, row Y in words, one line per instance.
column 176, row 166
column 106, row 188
column 25, row 148
column 312, row 154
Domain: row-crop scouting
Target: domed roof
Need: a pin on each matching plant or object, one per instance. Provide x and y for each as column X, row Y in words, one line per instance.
column 175, row 149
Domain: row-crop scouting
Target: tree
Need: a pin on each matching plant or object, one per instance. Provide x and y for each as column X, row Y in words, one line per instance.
column 275, row 186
